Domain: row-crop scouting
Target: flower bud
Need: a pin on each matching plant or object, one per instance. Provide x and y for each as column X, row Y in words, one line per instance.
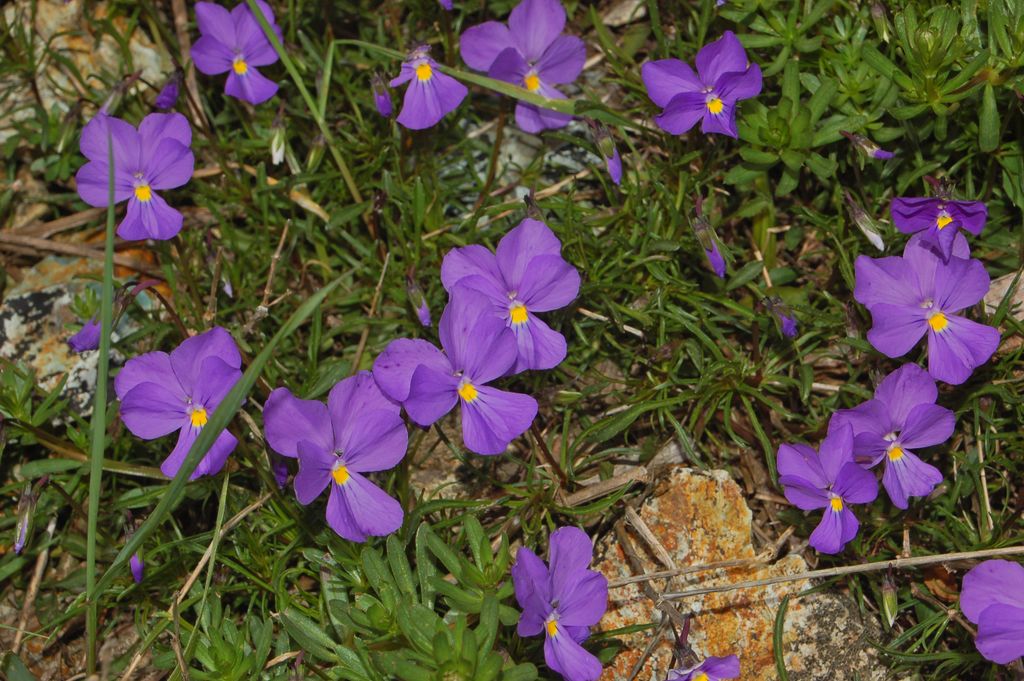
column 784, row 317
column 708, row 240
column 169, row 94
column 890, row 601
column 316, row 154
column 23, row 526
column 868, row 225
column 866, row 146
column 381, row 96
column 138, row 567
column 417, row 300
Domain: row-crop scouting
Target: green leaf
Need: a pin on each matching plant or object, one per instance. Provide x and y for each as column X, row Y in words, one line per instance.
column 15, row 670
column 745, row 275
column 988, row 121
column 308, row 634
column 400, row 566
column 778, row 641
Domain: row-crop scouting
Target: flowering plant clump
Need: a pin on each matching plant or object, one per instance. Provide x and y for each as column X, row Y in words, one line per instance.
column 234, row 43
column 828, row 479
column 430, row 95
column 359, row 431
column 358, row 308
column 724, row 77
column 155, row 157
column 562, row 600
column 162, row 393
column 530, row 52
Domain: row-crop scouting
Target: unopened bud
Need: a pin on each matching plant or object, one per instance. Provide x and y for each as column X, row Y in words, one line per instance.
column 381, row 96
column 868, row 225
column 418, row 301
column 890, row 601
column 23, row 526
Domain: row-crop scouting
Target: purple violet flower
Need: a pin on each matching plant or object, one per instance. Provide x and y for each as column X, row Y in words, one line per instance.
column 530, row 52
column 724, row 77
column 866, row 146
column 525, row 276
column 154, row 157
column 358, row 431
column 993, row 598
column 87, row 338
column 563, row 601
column 381, row 96
column 169, row 93
column 478, row 348
column 938, row 219
column 234, row 43
column 902, row 416
column 161, row 393
column 831, row 480
column 711, row 669
column 138, row 568
column 431, row 95
column 447, row 4
column 918, row 294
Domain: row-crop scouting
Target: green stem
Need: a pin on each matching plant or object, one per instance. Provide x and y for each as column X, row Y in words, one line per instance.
column 99, row 423
column 318, row 115
column 566, row 106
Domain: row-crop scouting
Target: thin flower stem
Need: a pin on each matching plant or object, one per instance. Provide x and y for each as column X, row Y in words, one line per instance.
column 310, row 104
column 99, row 424
column 566, row 106
column 542, row 447
column 897, row 564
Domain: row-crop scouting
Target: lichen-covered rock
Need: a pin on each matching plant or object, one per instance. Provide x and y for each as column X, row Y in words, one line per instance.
column 702, row 518
column 34, row 318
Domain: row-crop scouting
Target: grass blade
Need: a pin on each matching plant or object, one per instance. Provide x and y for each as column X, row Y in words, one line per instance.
column 99, row 421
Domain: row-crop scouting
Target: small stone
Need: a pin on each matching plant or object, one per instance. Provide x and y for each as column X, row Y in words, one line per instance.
column 701, row 518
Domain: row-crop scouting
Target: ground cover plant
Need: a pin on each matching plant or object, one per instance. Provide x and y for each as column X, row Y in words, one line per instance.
column 389, row 311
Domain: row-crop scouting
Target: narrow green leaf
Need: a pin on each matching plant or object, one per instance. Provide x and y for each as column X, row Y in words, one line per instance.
column 988, row 120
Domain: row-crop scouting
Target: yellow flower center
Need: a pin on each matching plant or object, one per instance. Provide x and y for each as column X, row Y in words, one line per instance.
column 943, row 220
column 552, row 627
column 518, row 313
column 837, row 504
column 468, row 392
column 715, row 105
column 895, row 453
column 938, row 322
column 340, row 474
column 701, row 677
column 198, row 417
column 424, row 72
column 143, row 192
column 241, row 68
column 532, row 82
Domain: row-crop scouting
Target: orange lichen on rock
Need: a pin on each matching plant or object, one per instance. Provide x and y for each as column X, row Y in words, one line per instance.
column 702, row 518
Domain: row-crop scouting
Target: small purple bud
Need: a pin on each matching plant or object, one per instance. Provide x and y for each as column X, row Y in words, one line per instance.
column 26, row 507
column 719, row 3
column 280, row 470
column 418, row 301
column 382, row 95
column 137, row 566
column 783, row 316
column 88, row 338
column 866, row 146
column 716, row 260
column 447, row 4
column 169, row 94
column 709, row 242
column 614, row 164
